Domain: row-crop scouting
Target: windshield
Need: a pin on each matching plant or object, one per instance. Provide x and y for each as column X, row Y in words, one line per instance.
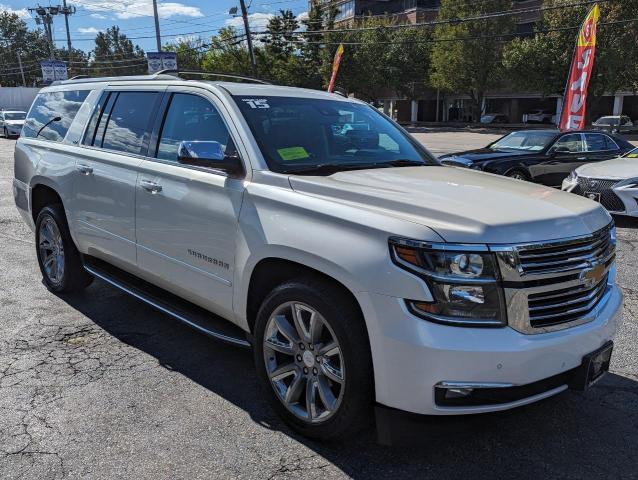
column 533, row 141
column 302, row 134
column 15, row 115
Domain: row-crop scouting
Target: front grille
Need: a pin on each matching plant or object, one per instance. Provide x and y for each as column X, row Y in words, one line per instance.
column 559, row 284
column 608, row 197
column 567, row 255
column 565, row 305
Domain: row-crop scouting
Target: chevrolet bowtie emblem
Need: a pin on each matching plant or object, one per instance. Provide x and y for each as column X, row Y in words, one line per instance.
column 594, row 275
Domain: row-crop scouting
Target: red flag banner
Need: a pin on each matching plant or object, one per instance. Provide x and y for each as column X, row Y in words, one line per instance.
column 575, row 99
column 335, row 67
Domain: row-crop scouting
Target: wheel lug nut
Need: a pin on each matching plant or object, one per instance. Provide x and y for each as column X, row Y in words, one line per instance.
column 299, row 358
column 314, row 370
column 305, row 370
column 311, row 346
column 302, row 346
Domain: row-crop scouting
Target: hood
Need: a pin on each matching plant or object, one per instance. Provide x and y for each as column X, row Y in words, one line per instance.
column 482, row 154
column 14, row 123
column 462, row 205
column 618, row 168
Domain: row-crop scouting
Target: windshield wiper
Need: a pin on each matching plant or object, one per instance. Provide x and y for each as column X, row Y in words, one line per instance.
column 329, row 168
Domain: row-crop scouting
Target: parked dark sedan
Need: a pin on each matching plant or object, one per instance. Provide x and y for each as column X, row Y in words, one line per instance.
column 542, row 156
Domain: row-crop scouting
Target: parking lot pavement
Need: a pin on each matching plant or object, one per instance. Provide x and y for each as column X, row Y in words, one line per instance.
column 101, row 386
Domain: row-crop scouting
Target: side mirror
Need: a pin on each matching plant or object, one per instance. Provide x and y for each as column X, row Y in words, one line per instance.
column 208, row 154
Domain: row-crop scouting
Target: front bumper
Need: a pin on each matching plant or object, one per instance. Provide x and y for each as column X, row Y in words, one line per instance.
column 626, row 195
column 411, row 356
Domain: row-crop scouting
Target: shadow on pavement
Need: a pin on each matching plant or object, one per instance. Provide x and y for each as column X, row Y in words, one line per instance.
column 573, row 435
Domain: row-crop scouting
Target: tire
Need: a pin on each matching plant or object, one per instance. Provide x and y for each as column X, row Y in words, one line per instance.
column 351, row 361
column 5, row 132
column 518, row 175
column 58, row 258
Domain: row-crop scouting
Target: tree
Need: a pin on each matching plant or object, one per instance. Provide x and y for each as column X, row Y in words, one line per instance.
column 226, row 53
column 114, row 54
column 542, row 62
column 16, row 39
column 467, row 55
column 189, row 53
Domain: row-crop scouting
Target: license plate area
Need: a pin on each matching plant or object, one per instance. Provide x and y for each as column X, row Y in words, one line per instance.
column 595, row 196
column 593, row 367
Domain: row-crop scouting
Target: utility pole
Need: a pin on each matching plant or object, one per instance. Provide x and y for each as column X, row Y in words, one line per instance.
column 24, row 82
column 157, row 27
column 244, row 14
column 66, row 11
column 45, row 17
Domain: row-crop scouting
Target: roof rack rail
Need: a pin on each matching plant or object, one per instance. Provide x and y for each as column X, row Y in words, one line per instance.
column 214, row 74
column 77, row 77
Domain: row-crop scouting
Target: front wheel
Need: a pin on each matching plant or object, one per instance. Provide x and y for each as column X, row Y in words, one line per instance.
column 58, row 258
column 517, row 174
column 313, row 357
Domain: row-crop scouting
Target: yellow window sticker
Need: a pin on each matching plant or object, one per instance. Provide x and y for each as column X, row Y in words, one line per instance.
column 632, row 155
column 292, row 153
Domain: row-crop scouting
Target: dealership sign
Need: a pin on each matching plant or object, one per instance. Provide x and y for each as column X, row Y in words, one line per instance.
column 575, row 99
column 158, row 61
column 53, row 70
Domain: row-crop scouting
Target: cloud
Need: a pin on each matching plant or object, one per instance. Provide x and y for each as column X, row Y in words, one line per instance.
column 302, row 16
column 88, row 30
column 257, row 21
column 125, row 9
column 99, row 16
column 23, row 13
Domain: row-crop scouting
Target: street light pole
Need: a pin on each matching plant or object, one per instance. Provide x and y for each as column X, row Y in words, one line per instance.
column 66, row 11
column 157, row 27
column 244, row 14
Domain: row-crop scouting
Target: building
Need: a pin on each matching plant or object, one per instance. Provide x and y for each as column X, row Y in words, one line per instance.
column 432, row 106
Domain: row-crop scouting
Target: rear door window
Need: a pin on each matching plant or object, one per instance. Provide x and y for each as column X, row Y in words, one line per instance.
column 124, row 123
column 52, row 113
column 595, row 142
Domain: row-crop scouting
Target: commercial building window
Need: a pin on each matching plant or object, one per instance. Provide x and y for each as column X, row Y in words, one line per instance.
column 345, row 10
column 52, row 113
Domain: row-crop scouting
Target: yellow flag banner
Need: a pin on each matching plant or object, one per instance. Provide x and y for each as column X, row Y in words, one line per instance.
column 335, row 67
column 575, row 99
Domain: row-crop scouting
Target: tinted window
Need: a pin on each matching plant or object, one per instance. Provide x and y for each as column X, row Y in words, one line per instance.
column 610, row 144
column 595, row 143
column 14, row 115
column 190, row 118
column 127, row 124
column 295, row 133
column 48, row 106
column 572, row 143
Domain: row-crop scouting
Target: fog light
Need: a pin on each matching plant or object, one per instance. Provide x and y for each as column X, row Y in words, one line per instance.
column 458, row 392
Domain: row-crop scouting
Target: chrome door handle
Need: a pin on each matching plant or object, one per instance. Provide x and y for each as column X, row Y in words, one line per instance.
column 85, row 169
column 581, row 158
column 151, row 187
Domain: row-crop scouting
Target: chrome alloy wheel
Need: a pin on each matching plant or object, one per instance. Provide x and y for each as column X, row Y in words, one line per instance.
column 304, row 362
column 51, row 250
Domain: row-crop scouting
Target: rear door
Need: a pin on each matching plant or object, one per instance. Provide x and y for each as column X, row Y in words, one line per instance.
column 186, row 215
column 115, row 142
column 600, row 147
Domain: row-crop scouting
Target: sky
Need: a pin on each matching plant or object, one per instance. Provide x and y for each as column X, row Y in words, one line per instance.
column 178, row 19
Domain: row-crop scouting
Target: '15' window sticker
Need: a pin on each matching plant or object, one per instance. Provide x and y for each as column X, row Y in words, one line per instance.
column 256, row 102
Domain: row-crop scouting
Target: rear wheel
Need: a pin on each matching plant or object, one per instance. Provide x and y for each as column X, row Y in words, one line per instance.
column 313, row 358
column 5, row 132
column 58, row 258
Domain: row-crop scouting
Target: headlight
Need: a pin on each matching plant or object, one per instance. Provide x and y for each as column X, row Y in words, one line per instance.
column 573, row 177
column 463, row 279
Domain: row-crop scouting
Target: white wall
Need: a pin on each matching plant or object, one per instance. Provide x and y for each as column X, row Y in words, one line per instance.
column 17, row 98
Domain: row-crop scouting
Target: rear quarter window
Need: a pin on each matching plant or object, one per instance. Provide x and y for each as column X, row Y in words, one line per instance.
column 41, row 123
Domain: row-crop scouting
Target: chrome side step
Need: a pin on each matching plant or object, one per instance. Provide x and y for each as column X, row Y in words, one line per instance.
column 178, row 308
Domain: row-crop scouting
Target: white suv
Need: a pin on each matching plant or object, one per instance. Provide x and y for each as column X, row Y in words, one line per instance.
column 315, row 230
